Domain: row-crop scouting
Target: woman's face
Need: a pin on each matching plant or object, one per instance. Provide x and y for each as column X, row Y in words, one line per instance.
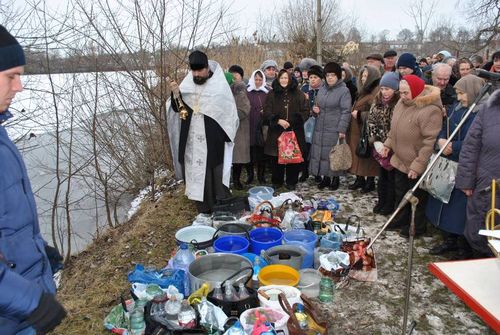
column 464, row 69
column 364, row 76
column 343, row 75
column 314, row 80
column 462, row 98
column 387, row 92
column 284, row 80
column 404, row 91
column 258, row 81
column 331, row 79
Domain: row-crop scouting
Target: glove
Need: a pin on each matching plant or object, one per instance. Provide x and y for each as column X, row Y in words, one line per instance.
column 47, row 315
column 54, row 257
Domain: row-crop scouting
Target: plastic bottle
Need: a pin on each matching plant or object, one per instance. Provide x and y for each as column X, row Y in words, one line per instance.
column 243, row 292
column 173, row 306
column 301, row 316
column 137, row 323
column 236, row 329
column 207, row 314
column 229, row 292
column 181, row 261
column 255, row 276
column 187, row 316
column 218, row 293
column 270, row 330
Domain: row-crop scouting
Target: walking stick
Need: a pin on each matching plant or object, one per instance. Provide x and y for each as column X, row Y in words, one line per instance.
column 409, row 196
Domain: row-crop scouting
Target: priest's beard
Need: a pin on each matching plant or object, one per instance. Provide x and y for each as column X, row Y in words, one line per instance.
column 199, row 80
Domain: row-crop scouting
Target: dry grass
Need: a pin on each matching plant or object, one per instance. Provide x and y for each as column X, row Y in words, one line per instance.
column 94, row 280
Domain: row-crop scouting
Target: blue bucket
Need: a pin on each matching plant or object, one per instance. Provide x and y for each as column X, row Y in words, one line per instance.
column 306, row 239
column 231, row 244
column 264, row 238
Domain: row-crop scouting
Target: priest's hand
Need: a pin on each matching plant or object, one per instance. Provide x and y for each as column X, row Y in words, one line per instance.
column 174, row 88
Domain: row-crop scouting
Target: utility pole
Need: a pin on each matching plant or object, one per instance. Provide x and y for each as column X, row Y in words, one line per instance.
column 319, row 35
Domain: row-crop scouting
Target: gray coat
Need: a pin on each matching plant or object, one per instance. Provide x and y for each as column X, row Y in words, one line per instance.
column 335, row 112
column 480, row 163
column 241, row 151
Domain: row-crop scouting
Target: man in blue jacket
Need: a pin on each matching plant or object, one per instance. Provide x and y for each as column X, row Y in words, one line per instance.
column 27, row 290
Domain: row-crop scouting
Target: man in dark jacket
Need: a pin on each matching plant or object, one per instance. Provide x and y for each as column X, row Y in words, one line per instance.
column 27, row 289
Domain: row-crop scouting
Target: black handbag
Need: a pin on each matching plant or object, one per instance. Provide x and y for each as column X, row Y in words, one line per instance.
column 363, row 150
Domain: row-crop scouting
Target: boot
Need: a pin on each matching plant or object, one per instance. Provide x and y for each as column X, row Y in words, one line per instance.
column 305, row 172
column 449, row 244
column 250, row 175
column 386, row 209
column 464, row 250
column 318, row 179
column 378, row 207
column 369, row 185
column 359, row 183
column 324, row 183
column 335, row 183
column 236, row 177
column 261, row 172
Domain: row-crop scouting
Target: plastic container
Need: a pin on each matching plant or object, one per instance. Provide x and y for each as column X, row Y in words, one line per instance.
column 332, row 240
column 182, row 259
column 278, row 274
column 264, row 238
column 305, row 238
column 263, row 192
column 291, row 255
column 199, row 236
column 309, row 282
column 231, row 244
column 278, row 318
column 292, row 294
column 137, row 323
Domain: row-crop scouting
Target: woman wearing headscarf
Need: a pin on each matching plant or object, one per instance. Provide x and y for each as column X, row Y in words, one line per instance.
column 347, row 79
column 241, row 151
column 285, row 110
column 416, row 122
column 332, row 121
column 379, row 124
column 479, row 164
column 256, row 93
column 369, row 78
column 450, row 217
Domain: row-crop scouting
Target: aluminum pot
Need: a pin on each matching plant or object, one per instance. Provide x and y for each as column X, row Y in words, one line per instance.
column 234, row 229
column 198, row 236
column 291, row 255
column 216, row 268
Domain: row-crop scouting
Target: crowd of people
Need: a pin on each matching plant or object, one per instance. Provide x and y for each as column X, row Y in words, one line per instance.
column 405, row 109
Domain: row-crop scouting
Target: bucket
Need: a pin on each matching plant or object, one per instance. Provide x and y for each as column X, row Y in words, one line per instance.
column 233, row 229
column 216, row 268
column 305, row 238
column 331, row 240
column 198, row 236
column 231, row 244
column 268, row 296
column 265, row 238
column 278, row 274
column 263, row 192
column 220, row 220
column 291, row 255
column 309, row 282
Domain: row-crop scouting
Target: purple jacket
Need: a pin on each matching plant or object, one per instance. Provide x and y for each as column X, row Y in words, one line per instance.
column 480, row 163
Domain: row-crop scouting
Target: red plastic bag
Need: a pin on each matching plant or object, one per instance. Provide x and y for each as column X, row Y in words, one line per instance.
column 288, row 149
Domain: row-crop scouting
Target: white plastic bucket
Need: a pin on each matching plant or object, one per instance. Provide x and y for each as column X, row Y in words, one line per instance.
column 292, row 294
column 309, row 282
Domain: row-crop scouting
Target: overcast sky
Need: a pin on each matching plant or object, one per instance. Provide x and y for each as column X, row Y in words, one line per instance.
column 373, row 15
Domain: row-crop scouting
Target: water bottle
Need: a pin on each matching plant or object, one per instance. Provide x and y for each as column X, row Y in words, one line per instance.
column 236, row 329
column 137, row 323
column 243, row 292
column 301, row 316
column 218, row 293
column 255, row 276
column 270, row 330
column 326, row 290
column 229, row 292
column 187, row 316
column 181, row 261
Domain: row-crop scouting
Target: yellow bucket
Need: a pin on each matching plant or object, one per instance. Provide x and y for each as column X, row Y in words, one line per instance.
column 278, row 274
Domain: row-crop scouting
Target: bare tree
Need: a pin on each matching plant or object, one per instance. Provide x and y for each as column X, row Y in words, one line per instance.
column 421, row 12
column 484, row 15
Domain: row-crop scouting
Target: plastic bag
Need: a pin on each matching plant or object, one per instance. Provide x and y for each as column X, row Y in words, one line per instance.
column 163, row 277
column 440, row 181
column 117, row 321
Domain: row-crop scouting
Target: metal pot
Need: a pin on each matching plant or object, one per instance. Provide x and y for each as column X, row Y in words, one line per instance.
column 198, row 236
column 235, row 229
column 291, row 255
column 216, row 268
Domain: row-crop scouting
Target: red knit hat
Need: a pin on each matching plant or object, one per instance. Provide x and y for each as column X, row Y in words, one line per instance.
column 416, row 84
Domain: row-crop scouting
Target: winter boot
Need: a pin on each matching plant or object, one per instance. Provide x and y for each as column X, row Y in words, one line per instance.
column 359, row 183
column 449, row 244
column 369, row 185
column 335, row 183
column 324, row 183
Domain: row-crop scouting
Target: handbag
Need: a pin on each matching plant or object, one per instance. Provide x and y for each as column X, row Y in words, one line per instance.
column 340, row 156
column 440, row 181
column 363, row 150
column 314, row 325
column 288, row 149
column 385, row 162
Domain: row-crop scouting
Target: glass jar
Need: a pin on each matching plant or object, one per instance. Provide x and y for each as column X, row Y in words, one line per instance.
column 326, row 289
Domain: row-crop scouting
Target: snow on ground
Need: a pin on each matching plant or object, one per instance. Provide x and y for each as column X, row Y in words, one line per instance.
column 377, row 307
